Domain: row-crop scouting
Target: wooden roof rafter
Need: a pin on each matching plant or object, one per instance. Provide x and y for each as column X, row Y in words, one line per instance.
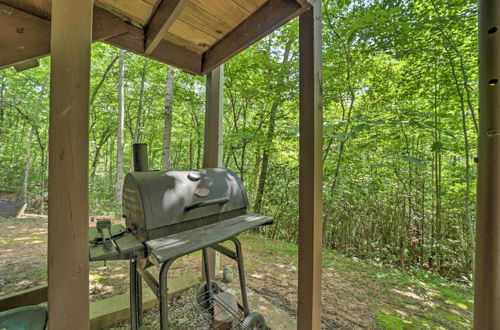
column 161, row 21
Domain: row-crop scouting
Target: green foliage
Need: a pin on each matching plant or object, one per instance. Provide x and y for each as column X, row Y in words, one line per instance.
column 400, row 121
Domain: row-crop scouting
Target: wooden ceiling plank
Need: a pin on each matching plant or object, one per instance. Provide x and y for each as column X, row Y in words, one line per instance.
column 188, row 32
column 136, row 12
column 151, row 2
column 163, row 18
column 250, row 5
column 205, row 21
column 226, row 10
column 25, row 37
column 267, row 18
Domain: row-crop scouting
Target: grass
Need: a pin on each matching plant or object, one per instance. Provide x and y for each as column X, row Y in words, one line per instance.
column 377, row 296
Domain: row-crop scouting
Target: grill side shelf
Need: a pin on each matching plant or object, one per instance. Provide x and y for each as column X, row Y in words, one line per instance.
column 123, row 247
column 176, row 245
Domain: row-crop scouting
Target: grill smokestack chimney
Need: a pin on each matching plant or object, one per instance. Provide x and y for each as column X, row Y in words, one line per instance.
column 140, row 152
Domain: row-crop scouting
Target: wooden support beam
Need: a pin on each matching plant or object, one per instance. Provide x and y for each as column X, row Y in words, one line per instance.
column 68, row 256
column 310, row 170
column 22, row 36
column 212, row 152
column 25, row 37
column 212, row 149
column 163, row 18
column 261, row 23
column 487, row 262
column 165, row 52
column 26, row 65
column 32, row 296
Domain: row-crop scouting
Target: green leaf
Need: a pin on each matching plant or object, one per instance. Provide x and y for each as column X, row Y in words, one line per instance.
column 340, row 137
column 417, row 162
column 361, row 127
column 437, row 146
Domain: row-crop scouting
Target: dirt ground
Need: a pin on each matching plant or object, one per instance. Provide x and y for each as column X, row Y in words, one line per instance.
column 356, row 295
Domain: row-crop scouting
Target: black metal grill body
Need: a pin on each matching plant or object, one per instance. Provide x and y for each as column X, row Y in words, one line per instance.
column 171, row 214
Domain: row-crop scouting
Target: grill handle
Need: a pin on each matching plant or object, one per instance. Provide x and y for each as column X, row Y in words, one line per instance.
column 219, row 201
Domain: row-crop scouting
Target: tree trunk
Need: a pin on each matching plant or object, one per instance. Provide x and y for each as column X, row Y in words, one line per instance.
column 98, row 148
column 137, row 133
column 119, row 145
column 268, row 145
column 468, row 215
column 43, row 171
column 27, row 168
column 103, row 79
column 167, row 128
column 2, row 89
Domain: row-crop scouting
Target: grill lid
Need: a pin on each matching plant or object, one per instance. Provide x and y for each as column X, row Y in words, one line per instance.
column 153, row 201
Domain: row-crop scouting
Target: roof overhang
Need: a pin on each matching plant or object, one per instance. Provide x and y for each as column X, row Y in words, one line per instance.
column 193, row 35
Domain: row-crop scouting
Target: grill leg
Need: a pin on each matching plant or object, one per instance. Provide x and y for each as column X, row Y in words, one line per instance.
column 163, row 290
column 241, row 272
column 206, row 266
column 134, row 308
column 139, row 298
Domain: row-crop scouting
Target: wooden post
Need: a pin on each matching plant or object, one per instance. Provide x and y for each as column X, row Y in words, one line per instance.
column 310, row 169
column 212, row 151
column 68, row 256
column 487, row 272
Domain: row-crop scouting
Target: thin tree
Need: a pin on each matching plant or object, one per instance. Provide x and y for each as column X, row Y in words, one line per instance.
column 167, row 114
column 121, row 111
column 269, row 141
column 27, row 167
column 138, row 122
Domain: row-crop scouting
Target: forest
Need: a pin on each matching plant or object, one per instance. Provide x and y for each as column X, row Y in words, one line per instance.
column 400, row 127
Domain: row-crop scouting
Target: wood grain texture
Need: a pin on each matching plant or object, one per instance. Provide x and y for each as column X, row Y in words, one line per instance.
column 26, row 37
column 201, row 24
column 266, row 19
column 22, row 36
column 137, row 12
column 163, row 18
column 195, row 36
column 32, row 296
column 40, row 8
column 212, row 148
column 250, row 5
column 226, row 10
column 213, row 25
column 68, row 258
column 310, row 170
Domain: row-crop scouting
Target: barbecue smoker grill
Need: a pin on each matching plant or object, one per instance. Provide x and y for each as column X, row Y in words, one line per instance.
column 169, row 215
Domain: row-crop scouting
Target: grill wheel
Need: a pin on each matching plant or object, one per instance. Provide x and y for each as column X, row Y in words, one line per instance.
column 253, row 321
